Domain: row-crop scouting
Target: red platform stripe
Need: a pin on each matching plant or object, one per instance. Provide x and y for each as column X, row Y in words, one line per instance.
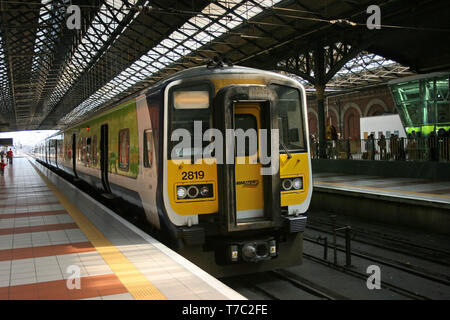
column 93, row 286
column 45, row 251
column 28, row 204
column 49, row 227
column 31, row 214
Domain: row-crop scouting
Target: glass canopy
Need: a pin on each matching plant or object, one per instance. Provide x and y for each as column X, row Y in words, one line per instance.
column 423, row 102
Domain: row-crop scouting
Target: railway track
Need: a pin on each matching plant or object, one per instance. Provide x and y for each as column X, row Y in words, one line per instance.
column 426, row 283
column 274, row 285
column 436, row 259
column 387, row 241
column 386, row 285
column 307, row 286
column 417, row 271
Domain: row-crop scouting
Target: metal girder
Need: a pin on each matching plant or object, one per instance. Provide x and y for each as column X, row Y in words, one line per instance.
column 336, row 56
column 125, row 45
column 138, row 31
column 34, row 38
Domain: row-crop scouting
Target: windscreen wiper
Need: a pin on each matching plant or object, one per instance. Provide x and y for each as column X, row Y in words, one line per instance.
column 285, row 149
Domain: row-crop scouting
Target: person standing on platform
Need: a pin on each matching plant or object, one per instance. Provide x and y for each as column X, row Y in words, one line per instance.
column 370, row 147
column 312, row 144
column 382, row 145
column 331, row 136
column 392, row 147
column 432, row 146
column 441, row 144
column 413, row 146
column 10, row 155
column 2, row 163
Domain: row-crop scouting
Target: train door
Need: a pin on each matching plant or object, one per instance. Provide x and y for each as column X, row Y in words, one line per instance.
column 249, row 199
column 248, row 178
column 74, row 154
column 104, row 157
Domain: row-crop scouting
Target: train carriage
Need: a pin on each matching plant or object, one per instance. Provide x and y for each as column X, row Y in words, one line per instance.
column 221, row 213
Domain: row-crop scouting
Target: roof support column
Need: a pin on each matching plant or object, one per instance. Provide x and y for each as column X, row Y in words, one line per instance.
column 320, row 83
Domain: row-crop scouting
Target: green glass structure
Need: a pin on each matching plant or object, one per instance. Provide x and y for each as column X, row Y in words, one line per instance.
column 422, row 102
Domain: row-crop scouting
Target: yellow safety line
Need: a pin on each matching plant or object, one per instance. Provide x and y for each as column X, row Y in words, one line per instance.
column 135, row 282
column 382, row 189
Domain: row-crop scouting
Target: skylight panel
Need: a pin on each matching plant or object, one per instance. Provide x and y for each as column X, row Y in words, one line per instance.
column 94, row 41
column 212, row 23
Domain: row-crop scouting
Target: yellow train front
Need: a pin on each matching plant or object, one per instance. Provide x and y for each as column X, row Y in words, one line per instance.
column 229, row 209
column 230, row 216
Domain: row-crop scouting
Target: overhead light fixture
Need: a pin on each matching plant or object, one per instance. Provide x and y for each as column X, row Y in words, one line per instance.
column 343, row 21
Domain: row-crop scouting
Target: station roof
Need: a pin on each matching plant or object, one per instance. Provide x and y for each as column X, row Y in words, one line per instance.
column 51, row 76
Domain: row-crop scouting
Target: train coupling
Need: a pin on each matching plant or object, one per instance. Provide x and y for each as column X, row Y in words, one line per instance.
column 194, row 235
column 253, row 251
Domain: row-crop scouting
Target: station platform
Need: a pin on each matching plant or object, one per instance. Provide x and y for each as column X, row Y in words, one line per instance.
column 58, row 243
column 407, row 188
column 413, row 202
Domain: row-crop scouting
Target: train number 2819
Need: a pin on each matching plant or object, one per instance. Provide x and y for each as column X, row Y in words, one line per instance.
column 190, row 175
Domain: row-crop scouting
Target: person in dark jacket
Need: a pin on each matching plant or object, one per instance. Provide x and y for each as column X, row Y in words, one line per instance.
column 10, row 156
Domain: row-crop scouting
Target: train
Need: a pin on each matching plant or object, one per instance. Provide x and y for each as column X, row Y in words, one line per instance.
column 226, row 216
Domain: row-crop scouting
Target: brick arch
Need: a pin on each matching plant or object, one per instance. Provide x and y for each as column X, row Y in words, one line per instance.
column 349, row 105
column 375, row 107
column 351, row 116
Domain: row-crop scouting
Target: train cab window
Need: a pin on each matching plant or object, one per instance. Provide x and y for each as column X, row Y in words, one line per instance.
column 148, row 148
column 290, row 118
column 189, row 105
column 124, row 149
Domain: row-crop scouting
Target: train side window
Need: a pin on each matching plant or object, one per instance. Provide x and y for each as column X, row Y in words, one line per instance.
column 79, row 147
column 88, row 149
column 83, row 148
column 124, row 149
column 94, row 150
column 148, row 148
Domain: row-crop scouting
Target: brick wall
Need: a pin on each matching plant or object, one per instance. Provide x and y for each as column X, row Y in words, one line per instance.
column 350, row 107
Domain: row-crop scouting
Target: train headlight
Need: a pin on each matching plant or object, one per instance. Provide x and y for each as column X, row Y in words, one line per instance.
column 181, row 193
column 297, row 183
column 287, row 184
column 204, row 191
column 197, row 192
column 192, row 192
